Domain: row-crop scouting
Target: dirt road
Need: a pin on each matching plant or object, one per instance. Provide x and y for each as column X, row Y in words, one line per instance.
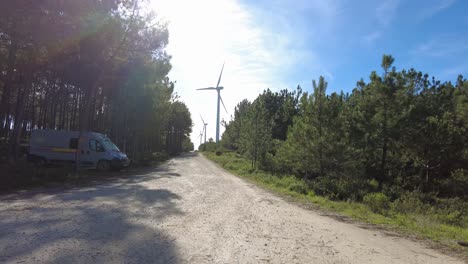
column 187, row 211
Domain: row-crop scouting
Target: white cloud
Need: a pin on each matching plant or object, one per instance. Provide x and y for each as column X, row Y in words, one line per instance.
column 386, row 11
column 440, row 47
column 384, row 14
column 433, row 8
column 259, row 48
column 371, row 37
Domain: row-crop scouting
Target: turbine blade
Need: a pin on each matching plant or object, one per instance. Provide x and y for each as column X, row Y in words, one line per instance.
column 209, row 88
column 202, row 121
column 223, row 104
column 219, row 80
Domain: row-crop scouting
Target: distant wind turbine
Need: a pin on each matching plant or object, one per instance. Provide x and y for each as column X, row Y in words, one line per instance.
column 204, row 128
column 200, row 136
column 218, row 89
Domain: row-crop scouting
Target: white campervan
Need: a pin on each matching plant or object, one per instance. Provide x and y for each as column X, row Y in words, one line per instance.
column 60, row 147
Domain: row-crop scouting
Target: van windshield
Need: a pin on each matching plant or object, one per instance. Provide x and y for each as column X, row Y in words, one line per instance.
column 109, row 145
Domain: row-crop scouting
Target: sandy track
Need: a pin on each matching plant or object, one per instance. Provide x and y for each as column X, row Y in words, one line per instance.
column 187, row 211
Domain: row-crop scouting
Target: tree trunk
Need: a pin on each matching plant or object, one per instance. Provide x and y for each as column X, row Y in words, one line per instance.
column 5, row 101
column 84, row 123
column 33, row 109
column 22, row 98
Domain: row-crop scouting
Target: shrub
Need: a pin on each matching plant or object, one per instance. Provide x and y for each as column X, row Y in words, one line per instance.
column 453, row 211
column 299, row 187
column 208, row 146
column 410, row 202
column 377, row 202
column 338, row 187
column 456, row 184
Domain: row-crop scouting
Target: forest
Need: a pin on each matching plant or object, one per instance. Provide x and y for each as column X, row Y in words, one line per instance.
column 399, row 137
column 90, row 66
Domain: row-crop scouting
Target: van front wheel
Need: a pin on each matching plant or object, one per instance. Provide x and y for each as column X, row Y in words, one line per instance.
column 103, row 165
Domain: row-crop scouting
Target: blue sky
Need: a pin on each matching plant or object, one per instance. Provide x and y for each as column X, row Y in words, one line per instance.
column 279, row 44
column 345, row 40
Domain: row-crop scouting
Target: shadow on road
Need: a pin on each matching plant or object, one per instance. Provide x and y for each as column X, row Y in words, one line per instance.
column 115, row 220
column 94, row 178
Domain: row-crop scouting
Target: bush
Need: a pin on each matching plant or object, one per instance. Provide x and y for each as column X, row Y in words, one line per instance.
column 453, row 211
column 410, row 202
column 339, row 187
column 377, row 202
column 219, row 153
column 299, row 187
column 456, row 185
column 208, row 146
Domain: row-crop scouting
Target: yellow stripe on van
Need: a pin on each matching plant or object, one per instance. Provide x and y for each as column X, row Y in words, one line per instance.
column 66, row 150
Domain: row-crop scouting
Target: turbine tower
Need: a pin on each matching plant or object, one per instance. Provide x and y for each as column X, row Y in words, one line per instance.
column 218, row 89
column 204, row 128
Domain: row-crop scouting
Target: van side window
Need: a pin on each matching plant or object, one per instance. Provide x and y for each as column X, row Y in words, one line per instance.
column 73, row 143
column 95, row 145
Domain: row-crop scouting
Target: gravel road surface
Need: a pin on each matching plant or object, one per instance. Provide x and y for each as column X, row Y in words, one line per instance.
column 186, row 211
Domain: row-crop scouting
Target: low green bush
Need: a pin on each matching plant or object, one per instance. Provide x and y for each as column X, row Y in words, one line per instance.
column 377, row 202
column 410, row 202
column 208, row 146
column 339, row 187
column 299, row 187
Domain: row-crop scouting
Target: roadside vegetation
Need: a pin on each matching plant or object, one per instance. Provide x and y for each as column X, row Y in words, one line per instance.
column 441, row 222
column 394, row 150
column 86, row 65
column 92, row 66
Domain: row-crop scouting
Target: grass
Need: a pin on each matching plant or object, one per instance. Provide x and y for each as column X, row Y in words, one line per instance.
column 425, row 226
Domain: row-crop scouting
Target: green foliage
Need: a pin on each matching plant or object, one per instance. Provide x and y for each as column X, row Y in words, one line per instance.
column 89, row 65
column 339, row 187
column 398, row 142
column 299, row 187
column 400, row 132
column 258, row 127
column 208, row 146
column 187, row 145
column 445, row 220
column 410, row 202
column 377, row 202
column 457, row 183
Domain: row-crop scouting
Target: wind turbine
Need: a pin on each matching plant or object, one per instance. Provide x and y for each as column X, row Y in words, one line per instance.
column 200, row 136
column 204, row 128
column 218, row 89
